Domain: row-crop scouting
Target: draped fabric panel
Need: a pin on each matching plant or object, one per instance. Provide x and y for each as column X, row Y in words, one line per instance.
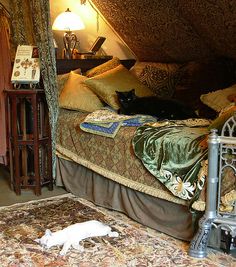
column 173, row 30
column 22, row 27
column 5, row 77
column 32, row 25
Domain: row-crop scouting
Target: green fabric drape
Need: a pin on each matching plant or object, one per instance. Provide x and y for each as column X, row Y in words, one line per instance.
column 32, row 25
column 174, row 155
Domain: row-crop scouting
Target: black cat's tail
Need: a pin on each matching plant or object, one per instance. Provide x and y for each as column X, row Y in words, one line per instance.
column 184, row 111
column 190, row 113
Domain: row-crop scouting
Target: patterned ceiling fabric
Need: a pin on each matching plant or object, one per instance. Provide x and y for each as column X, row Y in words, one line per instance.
column 173, row 30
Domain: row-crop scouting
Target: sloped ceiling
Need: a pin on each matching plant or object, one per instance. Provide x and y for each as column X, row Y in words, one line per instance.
column 174, row 30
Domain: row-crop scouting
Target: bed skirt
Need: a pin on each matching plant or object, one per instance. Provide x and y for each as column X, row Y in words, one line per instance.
column 162, row 215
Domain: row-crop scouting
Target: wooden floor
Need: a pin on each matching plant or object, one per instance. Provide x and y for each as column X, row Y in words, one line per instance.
column 8, row 197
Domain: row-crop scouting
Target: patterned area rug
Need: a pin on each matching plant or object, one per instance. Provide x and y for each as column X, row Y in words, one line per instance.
column 136, row 245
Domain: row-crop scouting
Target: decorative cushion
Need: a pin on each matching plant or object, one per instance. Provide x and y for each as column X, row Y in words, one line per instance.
column 222, row 118
column 106, row 84
column 77, row 96
column 218, row 100
column 62, row 78
column 110, row 64
column 161, row 81
column 232, row 98
column 138, row 67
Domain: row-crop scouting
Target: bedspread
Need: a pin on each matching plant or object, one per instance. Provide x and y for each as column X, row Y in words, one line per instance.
column 174, row 154
column 112, row 158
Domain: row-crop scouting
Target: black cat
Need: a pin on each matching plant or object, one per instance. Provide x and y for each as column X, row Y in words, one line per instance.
column 159, row 107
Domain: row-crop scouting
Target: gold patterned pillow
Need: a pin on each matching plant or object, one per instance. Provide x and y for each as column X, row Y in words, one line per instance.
column 162, row 81
column 110, row 64
column 218, row 100
column 106, row 84
column 139, row 66
column 62, row 78
column 77, row 96
column 222, row 118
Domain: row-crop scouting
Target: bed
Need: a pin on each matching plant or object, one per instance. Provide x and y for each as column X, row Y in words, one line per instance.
column 111, row 170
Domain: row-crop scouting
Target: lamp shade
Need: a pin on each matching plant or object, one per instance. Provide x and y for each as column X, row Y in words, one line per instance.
column 68, row 21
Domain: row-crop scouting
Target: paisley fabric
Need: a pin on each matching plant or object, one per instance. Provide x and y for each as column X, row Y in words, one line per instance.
column 173, row 30
column 174, row 155
column 32, row 25
column 161, row 81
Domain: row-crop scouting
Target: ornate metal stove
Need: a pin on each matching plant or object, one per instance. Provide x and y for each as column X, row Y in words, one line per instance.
column 221, row 158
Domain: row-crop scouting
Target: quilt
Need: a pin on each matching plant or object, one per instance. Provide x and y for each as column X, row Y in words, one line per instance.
column 106, row 122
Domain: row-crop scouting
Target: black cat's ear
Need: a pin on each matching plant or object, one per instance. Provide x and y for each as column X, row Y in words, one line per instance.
column 117, row 92
column 133, row 91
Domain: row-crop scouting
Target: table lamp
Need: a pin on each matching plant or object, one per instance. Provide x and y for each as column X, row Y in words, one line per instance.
column 68, row 22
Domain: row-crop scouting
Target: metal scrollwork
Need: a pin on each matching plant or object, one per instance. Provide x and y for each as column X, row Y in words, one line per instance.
column 221, row 155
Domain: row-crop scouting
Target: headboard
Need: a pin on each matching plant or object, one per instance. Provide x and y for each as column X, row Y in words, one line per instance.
column 66, row 65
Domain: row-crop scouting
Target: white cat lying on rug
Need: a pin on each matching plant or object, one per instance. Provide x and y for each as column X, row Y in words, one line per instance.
column 73, row 234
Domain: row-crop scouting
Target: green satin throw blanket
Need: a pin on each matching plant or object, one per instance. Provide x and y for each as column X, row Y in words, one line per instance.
column 174, row 155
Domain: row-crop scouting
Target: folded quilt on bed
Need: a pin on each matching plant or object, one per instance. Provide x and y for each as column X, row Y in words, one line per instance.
column 174, row 153
column 106, row 122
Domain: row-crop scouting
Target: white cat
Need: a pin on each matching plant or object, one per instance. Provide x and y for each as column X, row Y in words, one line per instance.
column 73, row 234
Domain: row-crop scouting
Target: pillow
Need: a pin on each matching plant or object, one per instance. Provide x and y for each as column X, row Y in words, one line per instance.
column 110, row 64
column 232, row 98
column 222, row 118
column 161, row 81
column 106, row 84
column 77, row 96
column 219, row 99
column 62, row 78
column 138, row 67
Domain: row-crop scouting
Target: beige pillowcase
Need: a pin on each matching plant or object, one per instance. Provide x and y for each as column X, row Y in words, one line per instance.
column 77, row 96
column 218, row 100
column 110, row 64
column 106, row 84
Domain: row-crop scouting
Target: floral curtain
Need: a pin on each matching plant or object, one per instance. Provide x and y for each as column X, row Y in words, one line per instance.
column 32, row 25
column 5, row 66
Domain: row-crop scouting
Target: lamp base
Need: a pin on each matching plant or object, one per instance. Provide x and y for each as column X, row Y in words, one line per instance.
column 74, row 54
column 66, row 54
column 70, row 41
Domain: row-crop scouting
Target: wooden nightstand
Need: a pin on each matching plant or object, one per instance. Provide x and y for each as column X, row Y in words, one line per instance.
column 29, row 140
column 66, row 65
